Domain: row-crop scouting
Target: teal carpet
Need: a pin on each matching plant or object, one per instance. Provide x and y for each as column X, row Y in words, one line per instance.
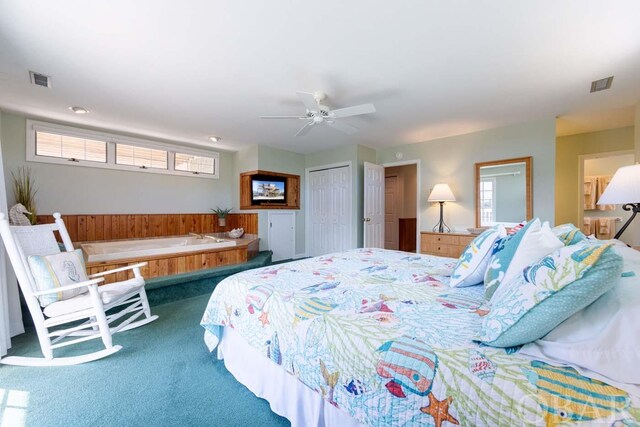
column 163, row 376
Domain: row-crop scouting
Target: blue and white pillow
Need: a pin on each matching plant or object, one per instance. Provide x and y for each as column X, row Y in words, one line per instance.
column 473, row 262
column 513, row 253
column 550, row 291
column 568, row 234
column 55, row 271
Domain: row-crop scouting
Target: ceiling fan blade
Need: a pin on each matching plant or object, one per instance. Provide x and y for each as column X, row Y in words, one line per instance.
column 343, row 127
column 305, row 129
column 308, row 100
column 283, row 117
column 356, row 110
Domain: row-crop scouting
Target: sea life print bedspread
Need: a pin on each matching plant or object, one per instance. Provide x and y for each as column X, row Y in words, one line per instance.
column 380, row 335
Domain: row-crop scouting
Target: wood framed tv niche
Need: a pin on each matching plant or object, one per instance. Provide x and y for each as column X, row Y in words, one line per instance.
column 271, row 186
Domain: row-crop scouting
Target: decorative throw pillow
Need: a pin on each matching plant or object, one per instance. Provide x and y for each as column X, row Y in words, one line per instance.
column 513, row 230
column 568, row 234
column 55, row 271
column 473, row 262
column 550, row 291
column 513, row 253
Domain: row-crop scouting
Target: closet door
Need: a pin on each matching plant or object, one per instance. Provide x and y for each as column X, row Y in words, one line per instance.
column 329, row 211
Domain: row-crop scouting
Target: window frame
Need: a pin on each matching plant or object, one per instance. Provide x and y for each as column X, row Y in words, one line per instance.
column 493, row 182
column 112, row 140
column 215, row 163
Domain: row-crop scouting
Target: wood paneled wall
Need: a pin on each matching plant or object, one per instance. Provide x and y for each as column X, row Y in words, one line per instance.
column 83, row 228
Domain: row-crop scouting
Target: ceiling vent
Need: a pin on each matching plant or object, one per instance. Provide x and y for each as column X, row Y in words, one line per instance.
column 602, row 84
column 40, row 79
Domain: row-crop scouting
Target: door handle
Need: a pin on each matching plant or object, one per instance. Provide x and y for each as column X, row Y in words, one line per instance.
column 366, row 219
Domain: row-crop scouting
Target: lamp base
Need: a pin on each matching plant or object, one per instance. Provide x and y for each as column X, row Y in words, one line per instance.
column 635, row 207
column 441, row 226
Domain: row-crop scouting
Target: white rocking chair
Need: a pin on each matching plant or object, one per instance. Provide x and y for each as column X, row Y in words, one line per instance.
column 92, row 305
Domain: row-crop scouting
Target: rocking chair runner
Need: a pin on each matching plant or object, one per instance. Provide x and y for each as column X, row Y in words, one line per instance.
column 92, row 304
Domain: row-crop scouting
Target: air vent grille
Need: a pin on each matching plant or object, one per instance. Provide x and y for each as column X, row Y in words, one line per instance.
column 40, row 79
column 602, row 84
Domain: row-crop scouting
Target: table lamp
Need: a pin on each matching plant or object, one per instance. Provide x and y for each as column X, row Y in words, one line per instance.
column 441, row 193
column 624, row 189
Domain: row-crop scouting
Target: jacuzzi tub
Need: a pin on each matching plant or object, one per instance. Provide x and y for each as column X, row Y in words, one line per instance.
column 126, row 249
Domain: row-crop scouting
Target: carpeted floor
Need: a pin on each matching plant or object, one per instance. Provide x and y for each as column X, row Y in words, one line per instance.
column 163, row 376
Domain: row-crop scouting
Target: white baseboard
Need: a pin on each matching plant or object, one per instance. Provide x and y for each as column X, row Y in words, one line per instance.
column 298, row 256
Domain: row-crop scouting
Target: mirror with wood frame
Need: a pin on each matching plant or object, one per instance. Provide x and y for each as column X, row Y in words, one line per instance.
column 503, row 192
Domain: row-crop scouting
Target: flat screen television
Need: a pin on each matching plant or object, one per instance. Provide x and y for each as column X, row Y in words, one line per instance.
column 267, row 189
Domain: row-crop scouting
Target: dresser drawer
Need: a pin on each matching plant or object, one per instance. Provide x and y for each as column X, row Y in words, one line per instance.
column 452, row 251
column 441, row 239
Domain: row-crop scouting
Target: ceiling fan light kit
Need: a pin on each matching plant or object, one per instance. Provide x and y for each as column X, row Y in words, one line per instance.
column 318, row 113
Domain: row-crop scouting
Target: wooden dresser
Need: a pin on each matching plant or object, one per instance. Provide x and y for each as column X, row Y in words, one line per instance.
column 444, row 244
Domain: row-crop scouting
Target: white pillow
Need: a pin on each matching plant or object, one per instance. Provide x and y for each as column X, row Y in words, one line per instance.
column 603, row 340
column 512, row 254
column 473, row 262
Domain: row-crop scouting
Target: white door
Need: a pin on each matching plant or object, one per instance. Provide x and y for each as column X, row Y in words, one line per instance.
column 282, row 237
column 373, row 206
column 329, row 211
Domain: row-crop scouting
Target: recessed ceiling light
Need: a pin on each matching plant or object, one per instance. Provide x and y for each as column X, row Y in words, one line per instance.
column 215, row 138
column 79, row 110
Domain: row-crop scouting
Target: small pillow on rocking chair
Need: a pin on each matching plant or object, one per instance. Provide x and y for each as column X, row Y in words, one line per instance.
column 55, row 271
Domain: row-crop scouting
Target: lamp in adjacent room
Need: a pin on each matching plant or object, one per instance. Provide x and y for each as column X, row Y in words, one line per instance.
column 624, row 189
column 441, row 193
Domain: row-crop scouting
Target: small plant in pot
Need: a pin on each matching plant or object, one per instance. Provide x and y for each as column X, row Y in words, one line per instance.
column 222, row 215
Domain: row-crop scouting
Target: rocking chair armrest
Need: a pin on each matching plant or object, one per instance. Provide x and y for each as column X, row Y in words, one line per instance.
column 86, row 283
column 117, row 270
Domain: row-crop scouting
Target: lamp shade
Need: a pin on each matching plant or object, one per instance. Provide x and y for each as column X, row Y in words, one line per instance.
column 441, row 193
column 623, row 188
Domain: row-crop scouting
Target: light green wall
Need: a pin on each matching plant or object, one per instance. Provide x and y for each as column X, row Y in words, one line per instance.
column 75, row 189
column 568, row 148
column 452, row 160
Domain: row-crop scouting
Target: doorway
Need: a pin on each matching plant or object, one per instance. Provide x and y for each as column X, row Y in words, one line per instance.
column 603, row 221
column 400, row 207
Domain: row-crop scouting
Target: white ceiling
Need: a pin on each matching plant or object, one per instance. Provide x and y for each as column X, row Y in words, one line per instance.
column 186, row 70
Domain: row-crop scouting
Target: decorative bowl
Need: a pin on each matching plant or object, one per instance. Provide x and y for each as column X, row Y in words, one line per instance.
column 476, row 230
column 236, row 233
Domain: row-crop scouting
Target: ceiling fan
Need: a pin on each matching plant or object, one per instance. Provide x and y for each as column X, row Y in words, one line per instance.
column 318, row 113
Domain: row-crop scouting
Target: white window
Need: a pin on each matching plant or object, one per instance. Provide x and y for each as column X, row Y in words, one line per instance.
column 195, row 164
column 67, row 145
column 487, row 201
column 70, row 147
column 141, row 157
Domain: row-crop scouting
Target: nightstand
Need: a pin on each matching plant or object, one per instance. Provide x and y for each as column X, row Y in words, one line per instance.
column 444, row 244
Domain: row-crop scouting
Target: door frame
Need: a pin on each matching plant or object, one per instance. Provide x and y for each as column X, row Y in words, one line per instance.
column 581, row 159
column 307, row 216
column 418, row 192
column 293, row 227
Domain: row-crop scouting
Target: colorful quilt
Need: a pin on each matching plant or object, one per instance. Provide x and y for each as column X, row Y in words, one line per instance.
column 380, row 335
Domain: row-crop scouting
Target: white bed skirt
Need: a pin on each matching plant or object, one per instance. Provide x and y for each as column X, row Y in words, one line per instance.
column 286, row 395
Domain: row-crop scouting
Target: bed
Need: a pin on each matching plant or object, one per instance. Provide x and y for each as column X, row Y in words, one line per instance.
column 376, row 337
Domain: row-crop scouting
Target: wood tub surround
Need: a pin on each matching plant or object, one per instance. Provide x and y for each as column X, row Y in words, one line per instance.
column 110, row 227
column 165, row 265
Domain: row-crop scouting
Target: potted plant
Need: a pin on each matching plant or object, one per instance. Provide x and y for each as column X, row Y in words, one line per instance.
column 24, row 191
column 222, row 215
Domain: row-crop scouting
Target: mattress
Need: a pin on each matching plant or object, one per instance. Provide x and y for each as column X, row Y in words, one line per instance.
column 380, row 336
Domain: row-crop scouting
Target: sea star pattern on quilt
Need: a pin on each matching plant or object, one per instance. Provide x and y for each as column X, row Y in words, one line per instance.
column 380, row 335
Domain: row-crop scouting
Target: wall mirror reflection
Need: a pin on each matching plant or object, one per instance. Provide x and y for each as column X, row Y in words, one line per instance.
column 503, row 192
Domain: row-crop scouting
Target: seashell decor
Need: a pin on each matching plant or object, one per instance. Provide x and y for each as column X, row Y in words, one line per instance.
column 236, row 233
